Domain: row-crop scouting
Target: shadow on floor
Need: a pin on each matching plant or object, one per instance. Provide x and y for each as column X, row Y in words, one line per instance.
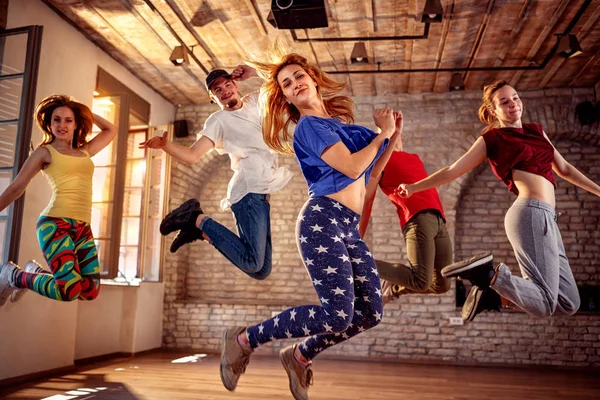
column 73, row 387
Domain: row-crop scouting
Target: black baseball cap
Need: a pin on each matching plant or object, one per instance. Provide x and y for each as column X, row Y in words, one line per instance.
column 214, row 75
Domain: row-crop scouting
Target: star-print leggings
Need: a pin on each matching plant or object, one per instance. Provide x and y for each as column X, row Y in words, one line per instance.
column 69, row 249
column 344, row 275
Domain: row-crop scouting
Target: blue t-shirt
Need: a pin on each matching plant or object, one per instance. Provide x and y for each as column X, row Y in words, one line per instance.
column 313, row 135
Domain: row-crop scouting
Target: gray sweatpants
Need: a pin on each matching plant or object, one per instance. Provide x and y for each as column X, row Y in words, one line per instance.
column 547, row 286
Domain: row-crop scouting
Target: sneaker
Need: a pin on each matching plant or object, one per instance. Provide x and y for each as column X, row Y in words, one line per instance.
column 389, row 291
column 300, row 376
column 185, row 236
column 480, row 300
column 234, row 358
column 478, row 269
column 7, row 287
column 33, row 267
column 182, row 217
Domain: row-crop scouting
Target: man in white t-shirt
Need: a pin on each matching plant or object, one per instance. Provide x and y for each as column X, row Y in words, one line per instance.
column 235, row 130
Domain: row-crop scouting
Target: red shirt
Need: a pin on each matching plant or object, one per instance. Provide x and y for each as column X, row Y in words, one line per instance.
column 408, row 168
column 525, row 149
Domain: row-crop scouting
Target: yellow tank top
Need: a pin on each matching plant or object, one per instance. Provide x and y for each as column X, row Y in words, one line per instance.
column 70, row 178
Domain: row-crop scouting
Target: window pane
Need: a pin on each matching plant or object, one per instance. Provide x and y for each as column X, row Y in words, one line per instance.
column 128, row 257
column 135, row 175
column 133, row 140
column 8, row 141
column 155, row 204
column 130, row 231
column 103, row 184
column 15, row 50
column 5, row 180
column 10, row 98
column 103, row 246
column 3, row 224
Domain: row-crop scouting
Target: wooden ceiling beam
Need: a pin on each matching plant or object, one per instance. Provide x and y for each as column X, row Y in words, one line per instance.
column 585, row 29
column 515, row 31
column 250, row 4
column 88, row 13
column 147, row 18
column 447, row 20
column 483, row 26
column 542, row 38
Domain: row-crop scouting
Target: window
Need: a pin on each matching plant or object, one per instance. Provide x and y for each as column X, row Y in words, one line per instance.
column 129, row 190
column 19, row 61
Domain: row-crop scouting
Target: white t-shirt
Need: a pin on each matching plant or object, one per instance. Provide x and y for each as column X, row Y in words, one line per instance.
column 239, row 134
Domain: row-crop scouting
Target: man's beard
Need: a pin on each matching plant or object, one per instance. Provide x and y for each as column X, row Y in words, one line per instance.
column 231, row 103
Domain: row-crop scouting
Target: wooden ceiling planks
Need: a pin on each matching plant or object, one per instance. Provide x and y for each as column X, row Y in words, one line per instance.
column 226, row 32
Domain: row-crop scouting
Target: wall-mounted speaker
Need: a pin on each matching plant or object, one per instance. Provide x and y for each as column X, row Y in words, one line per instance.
column 180, row 128
column 585, row 112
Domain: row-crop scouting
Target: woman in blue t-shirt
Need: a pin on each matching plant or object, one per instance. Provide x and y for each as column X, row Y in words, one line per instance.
column 336, row 159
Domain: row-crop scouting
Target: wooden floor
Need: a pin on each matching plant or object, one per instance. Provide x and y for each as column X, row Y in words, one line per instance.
column 156, row 377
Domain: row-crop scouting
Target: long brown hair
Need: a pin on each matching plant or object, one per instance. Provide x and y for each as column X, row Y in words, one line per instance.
column 487, row 104
column 83, row 118
column 278, row 113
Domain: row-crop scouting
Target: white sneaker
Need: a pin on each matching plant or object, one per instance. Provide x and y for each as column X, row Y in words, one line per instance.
column 6, row 282
column 31, row 266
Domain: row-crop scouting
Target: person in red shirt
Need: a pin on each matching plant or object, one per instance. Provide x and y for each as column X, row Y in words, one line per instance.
column 522, row 156
column 422, row 221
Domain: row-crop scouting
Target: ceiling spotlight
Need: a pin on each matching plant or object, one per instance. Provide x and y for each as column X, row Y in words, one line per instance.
column 433, row 11
column 359, row 54
column 179, row 56
column 456, row 82
column 568, row 46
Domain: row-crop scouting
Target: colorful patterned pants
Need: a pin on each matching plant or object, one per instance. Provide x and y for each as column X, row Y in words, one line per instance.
column 69, row 249
column 343, row 274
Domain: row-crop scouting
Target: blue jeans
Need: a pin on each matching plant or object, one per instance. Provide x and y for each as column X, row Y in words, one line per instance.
column 251, row 251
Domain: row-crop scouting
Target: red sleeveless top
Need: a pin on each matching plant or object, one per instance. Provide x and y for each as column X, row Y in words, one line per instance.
column 525, row 149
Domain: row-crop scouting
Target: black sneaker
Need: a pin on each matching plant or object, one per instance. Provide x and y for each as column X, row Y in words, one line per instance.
column 185, row 236
column 478, row 269
column 182, row 217
column 480, row 300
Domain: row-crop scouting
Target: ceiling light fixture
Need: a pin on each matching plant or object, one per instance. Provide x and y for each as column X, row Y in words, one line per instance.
column 433, row 11
column 179, row 56
column 359, row 54
column 456, row 82
column 569, row 46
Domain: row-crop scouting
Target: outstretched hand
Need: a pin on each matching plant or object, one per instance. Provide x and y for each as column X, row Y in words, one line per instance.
column 399, row 120
column 243, row 72
column 157, row 142
column 404, row 190
column 384, row 119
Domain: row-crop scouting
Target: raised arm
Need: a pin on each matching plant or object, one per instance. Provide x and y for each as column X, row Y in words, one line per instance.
column 189, row 155
column 31, row 167
column 568, row 172
column 385, row 156
column 472, row 158
column 101, row 140
column 365, row 216
column 354, row 164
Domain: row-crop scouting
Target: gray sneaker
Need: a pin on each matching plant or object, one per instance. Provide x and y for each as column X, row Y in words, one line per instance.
column 300, row 376
column 6, row 281
column 33, row 267
column 234, row 357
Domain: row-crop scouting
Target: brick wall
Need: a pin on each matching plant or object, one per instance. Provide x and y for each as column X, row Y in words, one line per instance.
column 205, row 293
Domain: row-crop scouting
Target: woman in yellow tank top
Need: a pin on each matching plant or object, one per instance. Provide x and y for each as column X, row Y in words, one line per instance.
column 63, row 228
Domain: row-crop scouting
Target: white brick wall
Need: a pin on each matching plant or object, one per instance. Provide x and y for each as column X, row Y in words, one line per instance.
column 205, row 293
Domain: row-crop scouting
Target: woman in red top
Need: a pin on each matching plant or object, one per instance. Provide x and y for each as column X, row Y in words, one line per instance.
column 522, row 156
column 422, row 220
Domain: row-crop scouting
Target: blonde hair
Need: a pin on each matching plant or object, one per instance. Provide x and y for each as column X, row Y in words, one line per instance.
column 278, row 113
column 487, row 104
column 83, row 118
